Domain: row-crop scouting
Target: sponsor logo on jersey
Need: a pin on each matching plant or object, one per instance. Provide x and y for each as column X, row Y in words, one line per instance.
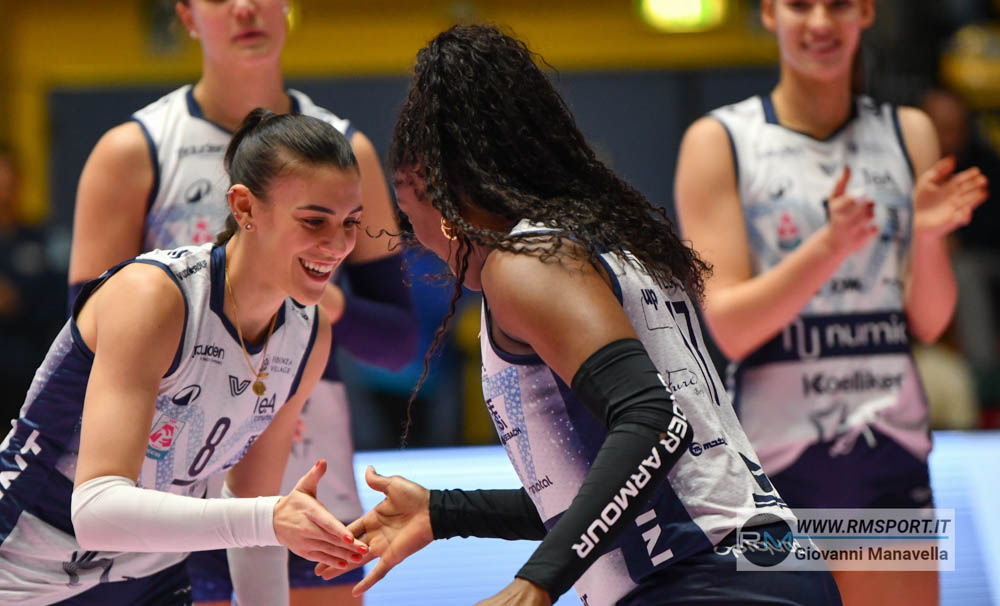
column 265, row 406
column 506, row 433
column 696, row 449
column 650, row 305
column 87, row 560
column 681, row 379
column 829, row 169
column 279, row 364
column 650, row 298
column 810, row 342
column 859, row 381
column 540, row 485
column 178, row 253
column 881, row 179
column 237, row 386
column 202, row 232
column 198, row 150
column 189, row 271
column 778, row 190
column 843, row 285
column 210, row 352
column 197, row 191
column 788, row 233
column 162, row 438
column 777, row 152
column 187, row 395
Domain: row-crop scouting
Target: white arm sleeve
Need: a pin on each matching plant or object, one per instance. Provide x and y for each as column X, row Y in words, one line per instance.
column 259, row 574
column 110, row 513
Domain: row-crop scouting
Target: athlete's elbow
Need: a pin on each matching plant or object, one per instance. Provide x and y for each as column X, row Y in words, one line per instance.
column 729, row 337
column 93, row 508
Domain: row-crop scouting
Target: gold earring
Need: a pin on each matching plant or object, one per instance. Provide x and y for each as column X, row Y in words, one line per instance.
column 448, row 229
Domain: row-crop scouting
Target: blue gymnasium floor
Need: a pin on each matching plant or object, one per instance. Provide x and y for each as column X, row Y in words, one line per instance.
column 965, row 472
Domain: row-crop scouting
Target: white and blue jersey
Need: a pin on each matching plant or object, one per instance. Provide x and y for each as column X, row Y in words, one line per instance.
column 206, row 419
column 842, row 370
column 552, row 439
column 187, row 204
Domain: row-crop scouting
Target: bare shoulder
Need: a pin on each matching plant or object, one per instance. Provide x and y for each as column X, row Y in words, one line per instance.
column 362, row 145
column 125, row 143
column 920, row 137
column 521, row 286
column 139, row 296
column 705, row 149
column 706, row 131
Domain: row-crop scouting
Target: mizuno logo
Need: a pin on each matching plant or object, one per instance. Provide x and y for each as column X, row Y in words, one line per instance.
column 237, row 387
column 197, row 191
column 187, row 395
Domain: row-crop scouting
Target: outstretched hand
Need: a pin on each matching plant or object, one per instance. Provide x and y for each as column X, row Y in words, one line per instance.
column 943, row 201
column 302, row 524
column 396, row 528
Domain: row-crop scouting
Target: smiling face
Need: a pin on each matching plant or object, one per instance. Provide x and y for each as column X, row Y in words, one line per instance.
column 818, row 38
column 305, row 228
column 236, row 30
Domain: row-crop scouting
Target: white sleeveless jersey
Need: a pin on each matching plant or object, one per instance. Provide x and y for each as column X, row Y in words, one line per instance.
column 187, row 204
column 552, row 439
column 207, row 416
column 844, row 365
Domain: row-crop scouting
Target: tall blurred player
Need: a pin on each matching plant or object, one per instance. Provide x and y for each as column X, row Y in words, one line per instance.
column 824, row 214
column 157, row 181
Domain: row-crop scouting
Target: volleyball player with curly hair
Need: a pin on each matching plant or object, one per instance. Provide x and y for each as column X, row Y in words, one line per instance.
column 594, row 365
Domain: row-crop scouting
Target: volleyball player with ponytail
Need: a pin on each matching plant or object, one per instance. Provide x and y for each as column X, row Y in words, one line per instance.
column 158, row 383
column 157, row 181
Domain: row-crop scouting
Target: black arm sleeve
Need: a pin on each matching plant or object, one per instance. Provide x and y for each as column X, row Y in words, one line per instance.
column 492, row 514
column 647, row 434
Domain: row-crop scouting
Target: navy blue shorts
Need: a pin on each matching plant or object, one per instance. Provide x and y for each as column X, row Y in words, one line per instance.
column 209, row 571
column 884, row 476
column 710, row 578
column 169, row 587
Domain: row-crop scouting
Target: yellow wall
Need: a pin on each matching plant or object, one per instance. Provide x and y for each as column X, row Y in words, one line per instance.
column 66, row 43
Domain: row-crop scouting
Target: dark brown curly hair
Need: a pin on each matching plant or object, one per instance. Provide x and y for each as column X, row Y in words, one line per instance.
column 483, row 125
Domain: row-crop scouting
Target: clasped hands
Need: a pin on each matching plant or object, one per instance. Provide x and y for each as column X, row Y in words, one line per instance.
column 396, row 528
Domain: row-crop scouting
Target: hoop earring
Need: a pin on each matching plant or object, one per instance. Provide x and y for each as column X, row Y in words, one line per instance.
column 448, row 229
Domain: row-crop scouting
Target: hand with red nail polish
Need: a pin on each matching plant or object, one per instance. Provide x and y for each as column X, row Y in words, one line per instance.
column 396, row 528
column 302, row 524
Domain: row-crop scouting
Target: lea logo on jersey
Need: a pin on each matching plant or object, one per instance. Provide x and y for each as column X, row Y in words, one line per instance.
column 162, row 438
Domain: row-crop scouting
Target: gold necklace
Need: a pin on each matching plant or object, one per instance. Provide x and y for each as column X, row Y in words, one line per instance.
column 258, row 384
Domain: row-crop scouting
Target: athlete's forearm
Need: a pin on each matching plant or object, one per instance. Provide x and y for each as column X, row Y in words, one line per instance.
column 647, row 434
column 110, row 513
column 744, row 316
column 494, row 514
column 930, row 291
